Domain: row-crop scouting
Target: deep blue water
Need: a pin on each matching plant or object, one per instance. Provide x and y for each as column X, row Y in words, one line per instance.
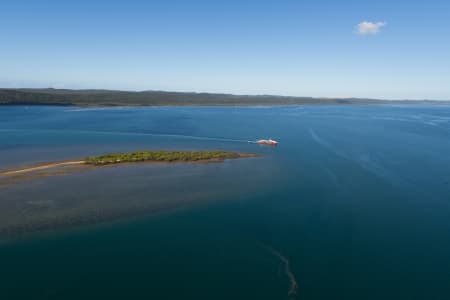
column 357, row 198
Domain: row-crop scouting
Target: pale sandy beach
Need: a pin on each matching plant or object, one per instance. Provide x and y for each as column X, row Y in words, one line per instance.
column 41, row 167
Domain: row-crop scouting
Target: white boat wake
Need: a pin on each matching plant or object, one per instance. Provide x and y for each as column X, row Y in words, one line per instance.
column 179, row 136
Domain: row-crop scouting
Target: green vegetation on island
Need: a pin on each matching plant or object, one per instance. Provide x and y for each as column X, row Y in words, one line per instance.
column 164, row 156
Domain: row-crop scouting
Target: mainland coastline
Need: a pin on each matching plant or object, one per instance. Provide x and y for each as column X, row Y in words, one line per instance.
column 108, row 98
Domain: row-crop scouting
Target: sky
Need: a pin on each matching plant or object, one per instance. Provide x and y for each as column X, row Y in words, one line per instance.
column 372, row 49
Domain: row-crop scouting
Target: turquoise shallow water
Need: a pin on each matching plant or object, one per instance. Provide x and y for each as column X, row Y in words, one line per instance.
column 356, row 198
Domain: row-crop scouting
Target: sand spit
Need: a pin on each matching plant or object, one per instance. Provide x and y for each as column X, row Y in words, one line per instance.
column 41, row 167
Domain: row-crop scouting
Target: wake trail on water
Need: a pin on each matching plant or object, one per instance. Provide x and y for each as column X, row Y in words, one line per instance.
column 292, row 293
column 219, row 139
column 180, row 136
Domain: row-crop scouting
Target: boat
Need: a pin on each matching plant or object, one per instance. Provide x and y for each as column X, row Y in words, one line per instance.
column 269, row 142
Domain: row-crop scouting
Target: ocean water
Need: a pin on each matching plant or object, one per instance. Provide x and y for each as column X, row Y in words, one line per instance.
column 354, row 203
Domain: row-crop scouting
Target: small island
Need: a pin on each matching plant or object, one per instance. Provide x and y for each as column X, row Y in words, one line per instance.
column 149, row 156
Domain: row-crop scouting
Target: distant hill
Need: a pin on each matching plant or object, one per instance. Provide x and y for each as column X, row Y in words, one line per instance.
column 160, row 98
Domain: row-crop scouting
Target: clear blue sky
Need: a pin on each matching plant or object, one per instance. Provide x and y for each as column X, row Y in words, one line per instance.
column 302, row 48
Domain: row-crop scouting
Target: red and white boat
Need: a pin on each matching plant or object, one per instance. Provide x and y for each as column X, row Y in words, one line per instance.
column 267, row 142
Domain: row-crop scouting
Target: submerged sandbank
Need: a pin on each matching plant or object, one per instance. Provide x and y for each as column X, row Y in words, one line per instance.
column 137, row 188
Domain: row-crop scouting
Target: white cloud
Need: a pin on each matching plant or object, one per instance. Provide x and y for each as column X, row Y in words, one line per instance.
column 365, row 27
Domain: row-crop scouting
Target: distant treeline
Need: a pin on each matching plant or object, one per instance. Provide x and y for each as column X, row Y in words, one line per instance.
column 160, row 98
